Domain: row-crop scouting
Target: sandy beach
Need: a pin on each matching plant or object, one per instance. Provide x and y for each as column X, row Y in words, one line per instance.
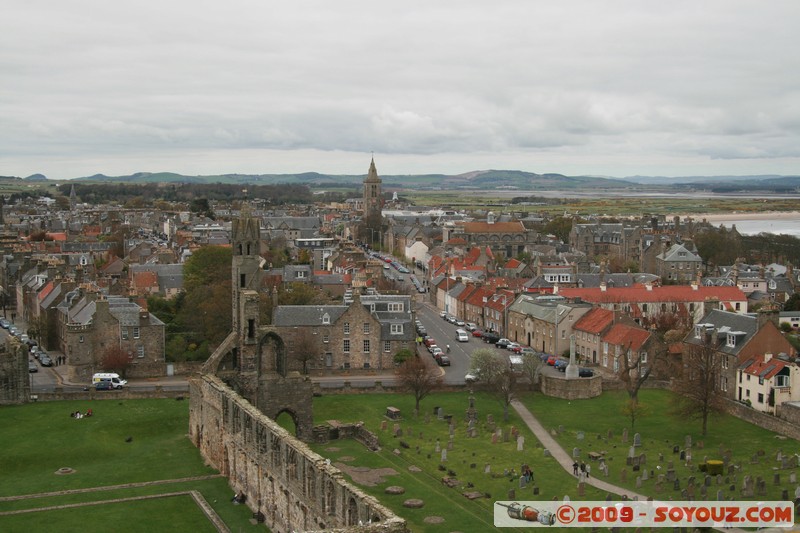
column 739, row 215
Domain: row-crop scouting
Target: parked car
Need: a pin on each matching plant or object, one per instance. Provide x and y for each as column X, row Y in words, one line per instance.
column 511, row 346
column 460, row 323
column 477, row 333
column 103, row 385
column 442, row 359
column 443, row 314
column 473, row 375
column 469, row 326
column 491, row 337
column 502, row 343
column 585, row 372
column 32, row 366
column 561, row 365
column 422, row 331
column 45, row 360
column 435, row 349
column 4, row 323
column 429, row 341
column 551, row 360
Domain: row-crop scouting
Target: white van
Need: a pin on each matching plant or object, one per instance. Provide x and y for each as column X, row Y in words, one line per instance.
column 462, row 335
column 116, row 381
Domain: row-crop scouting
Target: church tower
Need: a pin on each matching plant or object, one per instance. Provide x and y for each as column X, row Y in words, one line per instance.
column 373, row 198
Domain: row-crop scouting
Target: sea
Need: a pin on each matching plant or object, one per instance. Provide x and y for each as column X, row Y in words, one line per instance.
column 778, row 226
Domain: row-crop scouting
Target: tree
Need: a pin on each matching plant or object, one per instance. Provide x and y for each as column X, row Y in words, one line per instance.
column 696, row 391
column 531, row 366
column 403, row 355
column 305, row 348
column 115, row 359
column 792, row 303
column 418, row 378
column 560, row 227
column 497, row 375
column 208, row 265
column 634, row 410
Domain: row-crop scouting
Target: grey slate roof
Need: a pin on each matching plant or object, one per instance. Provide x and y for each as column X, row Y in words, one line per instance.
column 724, row 322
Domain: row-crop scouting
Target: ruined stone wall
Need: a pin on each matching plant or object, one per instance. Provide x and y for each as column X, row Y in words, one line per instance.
column 293, row 487
column 15, row 381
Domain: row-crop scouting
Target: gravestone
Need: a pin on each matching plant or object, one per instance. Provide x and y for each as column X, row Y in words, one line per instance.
column 687, row 441
column 638, row 482
column 645, row 475
column 487, row 468
column 719, row 479
column 512, row 494
column 776, row 479
column 778, row 455
column 560, row 429
column 792, row 478
column 546, row 453
column 642, row 459
column 623, row 475
column 490, row 419
column 576, row 453
column 581, row 435
column 720, row 495
column 703, row 492
column 690, row 492
column 444, row 456
column 523, row 482
column 683, row 455
column 439, row 413
column 631, row 452
column 438, row 446
column 671, row 476
column 384, row 425
column 520, row 443
column 660, row 457
column 761, row 487
column 398, row 431
column 494, row 438
column 676, row 484
column 471, row 433
column 754, row 459
column 785, row 494
column 610, row 434
column 449, row 445
column 506, row 435
column 452, row 430
column 604, row 468
column 637, row 439
column 625, row 435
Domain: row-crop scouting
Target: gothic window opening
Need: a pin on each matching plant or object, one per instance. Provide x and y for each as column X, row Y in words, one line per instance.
column 251, row 328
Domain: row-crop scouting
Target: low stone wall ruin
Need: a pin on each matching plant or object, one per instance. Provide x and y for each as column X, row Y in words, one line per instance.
column 294, row 488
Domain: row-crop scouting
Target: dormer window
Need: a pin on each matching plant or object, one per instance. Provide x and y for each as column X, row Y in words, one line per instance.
column 326, row 318
column 731, row 341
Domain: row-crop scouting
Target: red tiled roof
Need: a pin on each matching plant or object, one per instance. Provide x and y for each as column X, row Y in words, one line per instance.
column 595, row 320
column 513, row 263
column 497, row 227
column 640, row 294
column 627, row 336
column 766, row 370
column 145, row 279
column 456, row 240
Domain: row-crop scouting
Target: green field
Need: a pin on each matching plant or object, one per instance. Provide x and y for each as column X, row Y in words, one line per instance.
column 133, row 441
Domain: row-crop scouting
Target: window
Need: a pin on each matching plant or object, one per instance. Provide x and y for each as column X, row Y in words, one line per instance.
column 760, row 381
column 326, row 318
column 731, row 342
column 124, row 334
column 395, row 307
column 346, row 346
column 366, row 345
column 326, row 339
column 80, row 339
column 642, row 357
column 366, row 328
column 300, row 274
column 387, row 346
column 781, row 381
column 140, row 351
column 328, row 359
column 724, row 363
column 723, row 383
column 136, row 333
column 397, row 329
column 347, row 328
column 760, row 397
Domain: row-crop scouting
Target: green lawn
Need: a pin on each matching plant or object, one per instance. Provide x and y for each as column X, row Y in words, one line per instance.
column 40, row 438
column 461, row 513
column 660, row 432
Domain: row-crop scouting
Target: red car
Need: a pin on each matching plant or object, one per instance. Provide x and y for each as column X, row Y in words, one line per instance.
column 477, row 333
column 430, row 341
column 552, row 360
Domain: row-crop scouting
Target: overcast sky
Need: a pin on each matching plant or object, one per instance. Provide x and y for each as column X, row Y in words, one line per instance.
column 613, row 88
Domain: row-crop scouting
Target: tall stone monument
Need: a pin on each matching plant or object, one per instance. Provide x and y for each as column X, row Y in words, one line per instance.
column 571, row 371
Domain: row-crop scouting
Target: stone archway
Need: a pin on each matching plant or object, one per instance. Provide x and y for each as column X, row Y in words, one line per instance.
column 352, row 512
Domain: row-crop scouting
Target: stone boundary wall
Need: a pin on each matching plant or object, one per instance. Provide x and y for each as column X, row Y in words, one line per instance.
column 91, row 394
column 790, row 412
column 292, row 487
column 762, row 420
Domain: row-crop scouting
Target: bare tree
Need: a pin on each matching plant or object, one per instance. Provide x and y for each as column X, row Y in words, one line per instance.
column 305, row 348
column 531, row 367
column 495, row 372
column 697, row 389
column 115, row 359
column 418, row 378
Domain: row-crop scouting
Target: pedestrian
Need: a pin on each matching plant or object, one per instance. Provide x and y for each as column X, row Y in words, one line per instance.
column 588, row 470
column 575, row 468
column 448, row 348
column 583, row 467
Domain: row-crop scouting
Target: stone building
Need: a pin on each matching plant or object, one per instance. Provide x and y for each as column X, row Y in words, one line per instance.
column 90, row 324
column 364, row 335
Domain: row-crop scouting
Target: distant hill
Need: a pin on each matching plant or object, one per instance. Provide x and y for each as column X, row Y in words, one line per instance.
column 482, row 179
column 477, row 179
